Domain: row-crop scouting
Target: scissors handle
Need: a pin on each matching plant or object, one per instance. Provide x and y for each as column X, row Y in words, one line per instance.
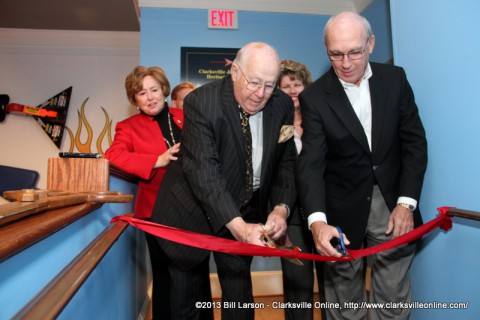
column 338, row 243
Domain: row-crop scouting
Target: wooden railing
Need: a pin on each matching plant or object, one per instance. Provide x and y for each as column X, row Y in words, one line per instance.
column 466, row 214
column 53, row 298
column 19, row 235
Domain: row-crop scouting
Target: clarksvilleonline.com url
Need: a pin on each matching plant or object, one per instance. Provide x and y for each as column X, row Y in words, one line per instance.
column 406, row 305
column 333, row 305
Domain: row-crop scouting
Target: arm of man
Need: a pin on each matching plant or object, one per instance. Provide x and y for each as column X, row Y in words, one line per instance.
column 413, row 161
column 280, row 179
column 310, row 170
column 205, row 168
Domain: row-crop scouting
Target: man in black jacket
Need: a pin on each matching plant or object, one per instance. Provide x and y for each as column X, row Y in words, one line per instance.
column 361, row 168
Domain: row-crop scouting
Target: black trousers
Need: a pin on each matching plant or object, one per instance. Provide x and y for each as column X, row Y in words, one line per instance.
column 234, row 272
column 178, row 293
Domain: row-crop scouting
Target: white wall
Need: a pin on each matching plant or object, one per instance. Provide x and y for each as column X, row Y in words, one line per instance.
column 37, row 64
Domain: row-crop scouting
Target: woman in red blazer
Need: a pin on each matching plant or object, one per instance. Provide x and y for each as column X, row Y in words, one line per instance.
column 143, row 146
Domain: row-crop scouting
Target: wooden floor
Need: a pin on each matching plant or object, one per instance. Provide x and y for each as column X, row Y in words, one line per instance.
column 260, row 314
column 269, row 313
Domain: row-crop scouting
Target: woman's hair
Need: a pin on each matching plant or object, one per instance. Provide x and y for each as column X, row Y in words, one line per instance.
column 183, row 85
column 295, row 70
column 134, row 81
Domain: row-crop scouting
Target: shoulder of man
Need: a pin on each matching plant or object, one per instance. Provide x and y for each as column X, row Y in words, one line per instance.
column 385, row 68
column 325, row 82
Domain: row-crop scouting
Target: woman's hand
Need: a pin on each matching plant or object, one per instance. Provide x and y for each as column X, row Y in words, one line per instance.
column 169, row 155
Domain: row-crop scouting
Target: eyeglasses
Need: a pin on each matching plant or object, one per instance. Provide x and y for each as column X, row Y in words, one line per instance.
column 352, row 55
column 255, row 85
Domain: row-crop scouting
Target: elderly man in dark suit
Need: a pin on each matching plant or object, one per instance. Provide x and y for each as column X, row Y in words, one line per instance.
column 231, row 180
column 361, row 168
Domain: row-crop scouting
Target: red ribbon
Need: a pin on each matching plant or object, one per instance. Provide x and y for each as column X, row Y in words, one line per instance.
column 208, row 242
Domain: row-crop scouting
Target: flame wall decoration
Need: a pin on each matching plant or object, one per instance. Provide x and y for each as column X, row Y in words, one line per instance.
column 85, row 147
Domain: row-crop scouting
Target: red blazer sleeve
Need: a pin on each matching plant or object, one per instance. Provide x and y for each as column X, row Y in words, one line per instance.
column 137, row 144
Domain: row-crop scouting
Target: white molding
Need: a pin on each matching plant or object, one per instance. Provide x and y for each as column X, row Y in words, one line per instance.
column 47, row 41
column 318, row 7
column 69, row 42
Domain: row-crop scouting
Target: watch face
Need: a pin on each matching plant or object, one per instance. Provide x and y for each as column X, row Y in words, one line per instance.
column 407, row 206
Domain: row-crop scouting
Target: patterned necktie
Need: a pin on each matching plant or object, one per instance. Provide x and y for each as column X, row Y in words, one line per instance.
column 247, row 137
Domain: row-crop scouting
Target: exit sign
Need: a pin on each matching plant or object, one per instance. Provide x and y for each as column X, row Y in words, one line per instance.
column 222, row 19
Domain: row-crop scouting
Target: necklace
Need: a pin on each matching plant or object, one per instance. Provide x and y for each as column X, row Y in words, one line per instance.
column 171, row 131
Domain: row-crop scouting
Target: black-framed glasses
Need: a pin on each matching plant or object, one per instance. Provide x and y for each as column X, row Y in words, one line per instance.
column 255, row 85
column 351, row 55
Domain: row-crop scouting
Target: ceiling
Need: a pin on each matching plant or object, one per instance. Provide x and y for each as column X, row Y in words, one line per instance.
column 89, row 15
column 122, row 15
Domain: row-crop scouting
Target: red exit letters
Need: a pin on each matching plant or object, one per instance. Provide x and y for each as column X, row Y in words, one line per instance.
column 222, row 19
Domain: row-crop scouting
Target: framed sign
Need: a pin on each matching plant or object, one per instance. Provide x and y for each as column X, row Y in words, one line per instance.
column 203, row 65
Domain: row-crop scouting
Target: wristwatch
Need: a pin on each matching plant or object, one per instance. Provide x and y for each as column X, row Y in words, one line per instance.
column 407, row 206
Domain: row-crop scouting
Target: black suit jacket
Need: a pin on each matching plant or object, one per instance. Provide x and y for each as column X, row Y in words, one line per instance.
column 203, row 190
column 337, row 170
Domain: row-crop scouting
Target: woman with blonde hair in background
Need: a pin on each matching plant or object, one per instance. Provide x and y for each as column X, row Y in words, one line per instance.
column 298, row 281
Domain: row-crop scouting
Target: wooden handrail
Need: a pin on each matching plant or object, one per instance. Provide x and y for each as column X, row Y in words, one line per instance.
column 21, row 234
column 472, row 215
column 53, row 298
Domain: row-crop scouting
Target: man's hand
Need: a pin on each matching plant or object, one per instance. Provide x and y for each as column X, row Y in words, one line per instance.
column 400, row 222
column 322, row 234
column 276, row 225
column 246, row 232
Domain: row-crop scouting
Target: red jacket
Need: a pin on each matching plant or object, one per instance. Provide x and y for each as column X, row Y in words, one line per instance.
column 177, row 115
column 137, row 144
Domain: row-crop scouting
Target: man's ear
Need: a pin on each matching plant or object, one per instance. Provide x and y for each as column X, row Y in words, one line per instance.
column 371, row 44
column 234, row 71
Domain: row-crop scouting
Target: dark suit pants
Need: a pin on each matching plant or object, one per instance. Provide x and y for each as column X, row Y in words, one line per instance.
column 177, row 291
column 390, row 281
column 298, row 281
column 234, row 272
column 236, row 283
column 160, row 280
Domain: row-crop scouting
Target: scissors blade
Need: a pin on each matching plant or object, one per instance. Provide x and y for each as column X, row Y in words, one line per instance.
column 267, row 241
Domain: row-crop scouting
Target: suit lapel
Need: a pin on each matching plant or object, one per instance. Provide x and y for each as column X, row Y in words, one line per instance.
column 378, row 98
column 268, row 136
column 230, row 110
column 339, row 103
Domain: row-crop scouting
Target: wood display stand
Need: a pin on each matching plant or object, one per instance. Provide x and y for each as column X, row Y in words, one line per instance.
column 70, row 181
column 78, row 174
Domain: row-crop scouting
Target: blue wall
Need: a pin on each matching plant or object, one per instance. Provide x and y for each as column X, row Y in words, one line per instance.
column 115, row 290
column 295, row 36
column 165, row 31
column 436, row 41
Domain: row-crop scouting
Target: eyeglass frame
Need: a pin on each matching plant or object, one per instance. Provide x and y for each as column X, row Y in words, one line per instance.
column 258, row 85
column 361, row 52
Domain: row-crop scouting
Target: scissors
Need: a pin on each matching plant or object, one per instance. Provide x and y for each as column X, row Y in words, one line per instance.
column 339, row 245
column 268, row 242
